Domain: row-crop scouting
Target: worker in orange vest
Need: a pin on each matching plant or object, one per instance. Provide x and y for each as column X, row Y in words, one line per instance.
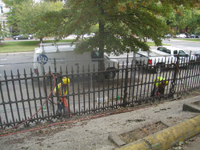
column 63, row 90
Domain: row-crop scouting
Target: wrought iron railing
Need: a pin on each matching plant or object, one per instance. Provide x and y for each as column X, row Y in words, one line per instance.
column 26, row 97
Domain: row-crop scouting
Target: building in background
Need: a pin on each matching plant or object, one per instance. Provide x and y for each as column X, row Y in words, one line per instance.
column 3, row 16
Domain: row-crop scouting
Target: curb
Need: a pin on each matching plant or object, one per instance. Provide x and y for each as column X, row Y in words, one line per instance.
column 167, row 137
column 191, row 108
column 113, row 137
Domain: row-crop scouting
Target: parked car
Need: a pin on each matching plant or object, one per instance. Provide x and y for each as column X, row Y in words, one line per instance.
column 181, row 35
column 23, row 36
column 86, row 36
column 192, row 36
column 168, row 35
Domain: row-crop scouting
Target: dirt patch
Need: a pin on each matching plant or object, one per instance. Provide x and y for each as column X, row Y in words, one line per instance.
column 140, row 133
column 43, row 133
column 50, row 131
column 14, row 141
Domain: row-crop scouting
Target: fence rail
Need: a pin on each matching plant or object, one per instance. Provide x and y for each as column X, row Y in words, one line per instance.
column 27, row 97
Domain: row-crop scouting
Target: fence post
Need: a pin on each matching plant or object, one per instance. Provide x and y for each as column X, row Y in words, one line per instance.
column 133, row 69
column 173, row 84
column 126, row 83
column 1, row 124
column 56, row 86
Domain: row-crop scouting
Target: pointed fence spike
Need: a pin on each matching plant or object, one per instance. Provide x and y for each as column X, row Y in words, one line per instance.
column 66, row 70
column 5, row 74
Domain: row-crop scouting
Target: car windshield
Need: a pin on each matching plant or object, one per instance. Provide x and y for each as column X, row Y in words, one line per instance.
column 95, row 55
column 182, row 53
column 162, row 49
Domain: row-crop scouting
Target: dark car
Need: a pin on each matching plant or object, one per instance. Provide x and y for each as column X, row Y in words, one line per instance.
column 192, row 36
column 23, row 36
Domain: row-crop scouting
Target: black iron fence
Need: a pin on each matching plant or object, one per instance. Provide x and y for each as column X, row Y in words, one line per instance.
column 27, row 97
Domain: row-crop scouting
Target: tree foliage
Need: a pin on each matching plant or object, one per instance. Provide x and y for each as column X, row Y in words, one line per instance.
column 122, row 24
column 182, row 18
column 195, row 21
column 12, row 18
column 3, row 31
column 119, row 26
column 13, row 3
column 27, row 16
column 31, row 19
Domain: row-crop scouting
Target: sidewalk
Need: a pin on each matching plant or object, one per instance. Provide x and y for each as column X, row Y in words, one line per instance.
column 195, row 145
column 93, row 134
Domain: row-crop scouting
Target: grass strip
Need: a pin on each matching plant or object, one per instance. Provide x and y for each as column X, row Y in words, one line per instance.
column 29, row 46
column 23, row 46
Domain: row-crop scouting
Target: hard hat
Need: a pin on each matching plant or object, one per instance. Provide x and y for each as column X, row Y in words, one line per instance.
column 66, row 80
column 166, row 83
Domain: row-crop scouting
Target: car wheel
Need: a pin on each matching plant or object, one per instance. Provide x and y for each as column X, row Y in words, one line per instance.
column 29, row 38
column 16, row 38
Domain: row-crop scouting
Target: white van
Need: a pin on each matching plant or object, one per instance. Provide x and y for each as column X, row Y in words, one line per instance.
column 68, row 61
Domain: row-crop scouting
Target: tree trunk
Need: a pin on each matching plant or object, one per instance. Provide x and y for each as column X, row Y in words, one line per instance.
column 101, row 49
column 101, row 45
column 41, row 40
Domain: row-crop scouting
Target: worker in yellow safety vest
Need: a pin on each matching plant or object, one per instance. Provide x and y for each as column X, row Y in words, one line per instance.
column 63, row 90
column 159, row 86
